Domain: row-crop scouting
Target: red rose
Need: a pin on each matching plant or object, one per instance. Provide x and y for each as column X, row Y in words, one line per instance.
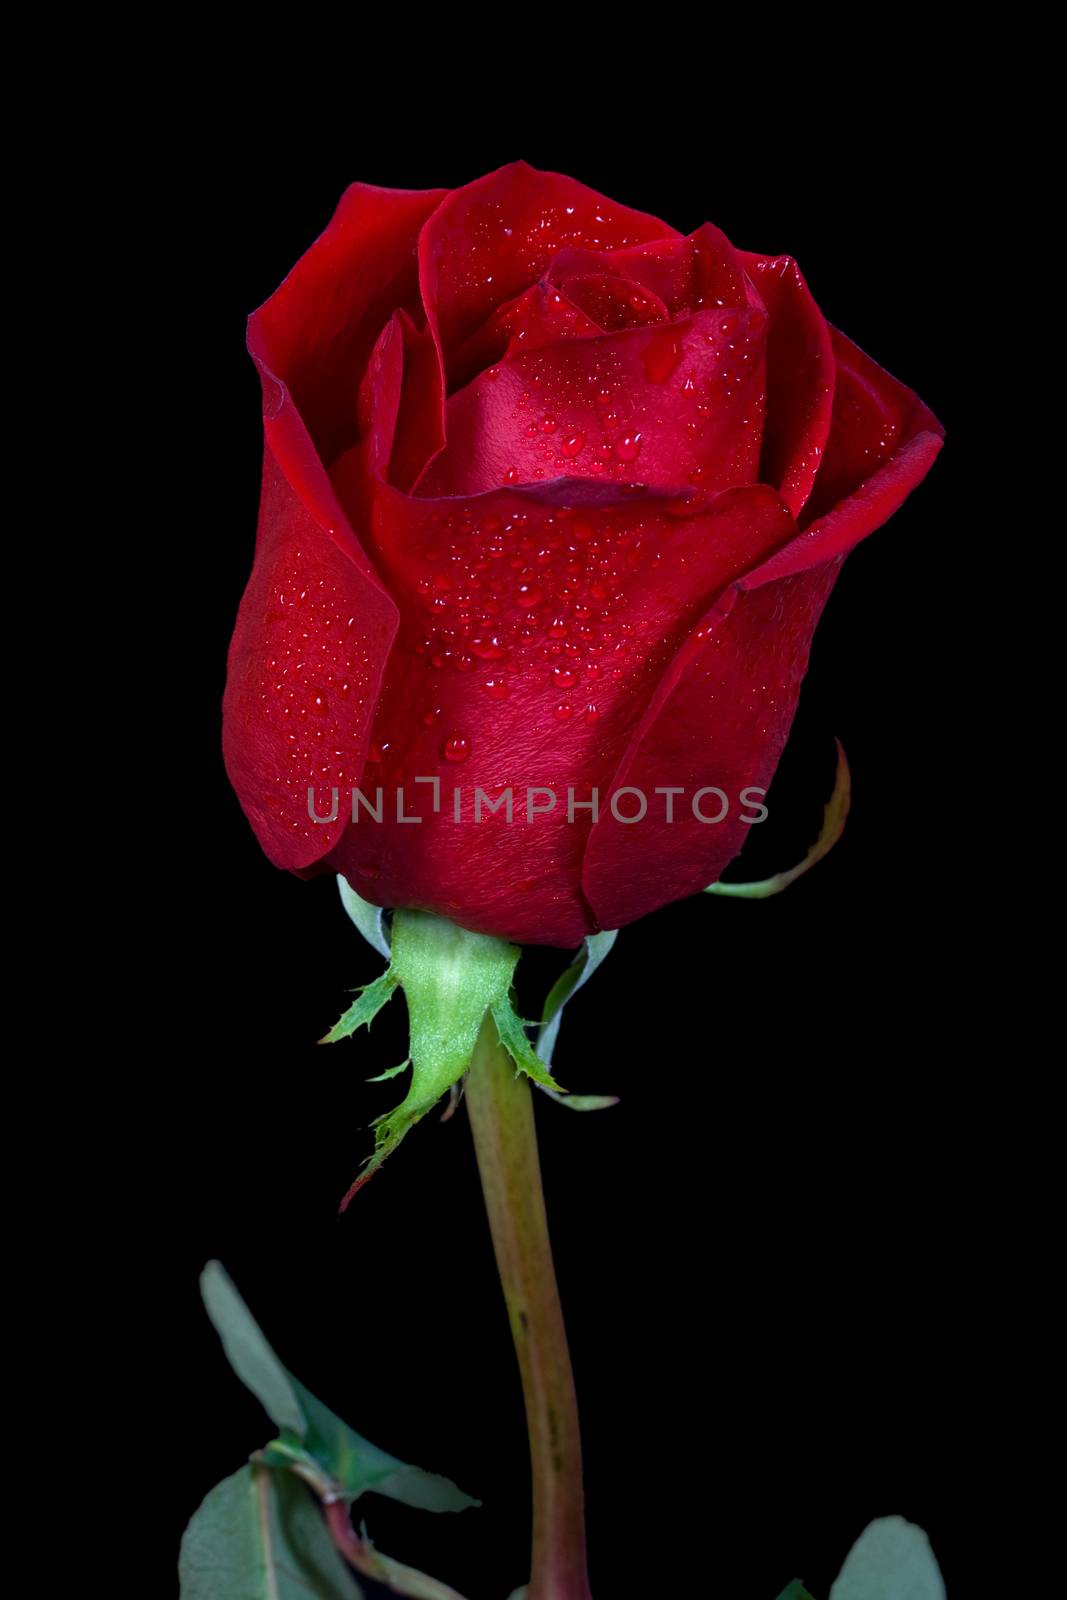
column 553, row 497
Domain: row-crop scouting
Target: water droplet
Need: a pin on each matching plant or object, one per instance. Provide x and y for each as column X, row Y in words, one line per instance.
column 497, row 688
column 490, row 649
column 628, row 447
column 527, row 595
column 319, row 705
column 563, row 677
column 572, row 445
column 563, row 712
column 591, row 715
column 456, row 748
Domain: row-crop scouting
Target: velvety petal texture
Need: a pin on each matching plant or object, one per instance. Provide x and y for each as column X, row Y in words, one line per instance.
column 553, row 498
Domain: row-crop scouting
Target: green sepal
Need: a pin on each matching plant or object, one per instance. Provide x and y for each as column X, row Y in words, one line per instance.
column 373, row 996
column 512, row 1031
column 315, row 1443
column 391, row 1072
column 833, row 826
column 795, row 1591
column 582, row 1102
column 450, row 978
column 593, row 951
column 370, row 920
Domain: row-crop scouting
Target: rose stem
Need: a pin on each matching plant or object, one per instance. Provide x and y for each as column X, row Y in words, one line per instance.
column 505, row 1141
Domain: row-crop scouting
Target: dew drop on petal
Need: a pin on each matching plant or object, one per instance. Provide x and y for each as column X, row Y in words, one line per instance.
column 456, row 748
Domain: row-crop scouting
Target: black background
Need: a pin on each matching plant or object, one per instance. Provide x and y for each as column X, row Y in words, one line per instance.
column 770, row 1252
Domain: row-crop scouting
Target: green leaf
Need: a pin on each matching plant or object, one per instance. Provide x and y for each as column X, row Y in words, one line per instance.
column 370, row 920
column 260, row 1536
column 593, row 951
column 311, row 1431
column 833, row 826
column 891, row 1560
column 248, row 1352
column 356, row 1465
column 363, row 1011
column 795, row 1591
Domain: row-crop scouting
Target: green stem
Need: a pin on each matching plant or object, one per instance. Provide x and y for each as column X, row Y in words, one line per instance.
column 502, row 1120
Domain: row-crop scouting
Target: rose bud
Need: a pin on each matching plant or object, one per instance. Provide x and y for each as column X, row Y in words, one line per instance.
column 553, row 497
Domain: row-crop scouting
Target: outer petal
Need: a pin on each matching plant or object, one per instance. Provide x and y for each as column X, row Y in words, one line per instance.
column 315, row 624
column 493, row 238
column 882, row 444
column 316, row 332
column 535, row 630
column 723, row 710
column 874, row 418
column 720, row 717
column 313, row 633
column 800, row 379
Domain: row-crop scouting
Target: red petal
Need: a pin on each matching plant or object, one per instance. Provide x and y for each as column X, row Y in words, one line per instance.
column 494, row 237
column 401, row 409
column 703, row 270
column 800, row 379
column 315, row 624
column 306, row 662
column 609, row 297
column 723, row 710
column 720, row 717
column 671, row 405
column 533, row 636
column 874, row 417
column 316, row 332
column 882, row 444
column 540, row 315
